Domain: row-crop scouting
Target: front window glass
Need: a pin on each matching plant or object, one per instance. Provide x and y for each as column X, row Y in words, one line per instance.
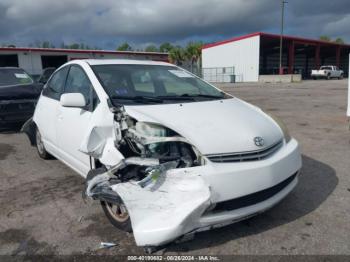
column 57, row 82
column 78, row 82
column 153, row 84
column 14, row 76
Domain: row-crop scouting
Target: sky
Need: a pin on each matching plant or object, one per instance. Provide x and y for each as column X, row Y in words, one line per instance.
column 108, row 23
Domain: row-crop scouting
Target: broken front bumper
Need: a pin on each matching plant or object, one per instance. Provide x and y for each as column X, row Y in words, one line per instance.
column 199, row 198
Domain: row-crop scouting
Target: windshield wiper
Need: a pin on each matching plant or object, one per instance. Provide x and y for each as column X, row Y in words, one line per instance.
column 175, row 98
column 202, row 95
column 139, row 99
column 207, row 96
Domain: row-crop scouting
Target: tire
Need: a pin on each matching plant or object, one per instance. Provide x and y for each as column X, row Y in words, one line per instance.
column 40, row 147
column 119, row 219
column 341, row 77
column 329, row 77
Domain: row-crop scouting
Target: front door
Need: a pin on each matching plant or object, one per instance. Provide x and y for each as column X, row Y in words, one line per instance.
column 73, row 122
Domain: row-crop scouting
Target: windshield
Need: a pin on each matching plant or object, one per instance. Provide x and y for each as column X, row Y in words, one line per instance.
column 153, row 84
column 14, row 76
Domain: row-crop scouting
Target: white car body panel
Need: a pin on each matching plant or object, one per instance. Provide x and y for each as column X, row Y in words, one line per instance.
column 177, row 203
column 69, row 139
column 226, row 120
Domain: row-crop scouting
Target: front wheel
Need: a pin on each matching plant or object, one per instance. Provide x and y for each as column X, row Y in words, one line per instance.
column 40, row 146
column 341, row 76
column 117, row 214
column 328, row 77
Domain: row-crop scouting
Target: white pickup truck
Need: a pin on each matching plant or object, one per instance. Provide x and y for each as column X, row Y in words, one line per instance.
column 327, row 72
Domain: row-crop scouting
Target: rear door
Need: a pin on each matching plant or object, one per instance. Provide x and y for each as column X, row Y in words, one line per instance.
column 46, row 112
column 73, row 122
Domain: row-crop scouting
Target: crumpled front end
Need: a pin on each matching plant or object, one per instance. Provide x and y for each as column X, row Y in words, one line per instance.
column 171, row 190
column 167, row 209
column 148, row 166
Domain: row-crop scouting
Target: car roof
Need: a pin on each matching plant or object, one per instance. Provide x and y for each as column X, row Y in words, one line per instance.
column 124, row 62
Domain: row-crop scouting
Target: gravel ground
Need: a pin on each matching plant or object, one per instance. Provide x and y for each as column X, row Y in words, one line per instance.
column 42, row 211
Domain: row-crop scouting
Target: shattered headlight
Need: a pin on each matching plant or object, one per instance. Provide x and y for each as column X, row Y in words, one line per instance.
column 283, row 127
column 150, row 129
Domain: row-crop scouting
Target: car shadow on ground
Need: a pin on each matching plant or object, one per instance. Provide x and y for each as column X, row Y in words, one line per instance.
column 317, row 181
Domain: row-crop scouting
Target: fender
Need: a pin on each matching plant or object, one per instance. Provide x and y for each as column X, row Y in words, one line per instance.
column 29, row 129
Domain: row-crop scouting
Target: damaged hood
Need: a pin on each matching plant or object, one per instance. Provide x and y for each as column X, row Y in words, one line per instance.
column 213, row 127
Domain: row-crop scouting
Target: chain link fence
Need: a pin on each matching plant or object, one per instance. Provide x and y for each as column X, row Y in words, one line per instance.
column 219, row 74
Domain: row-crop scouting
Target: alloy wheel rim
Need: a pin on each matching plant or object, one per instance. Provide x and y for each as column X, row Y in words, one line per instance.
column 39, row 142
column 118, row 212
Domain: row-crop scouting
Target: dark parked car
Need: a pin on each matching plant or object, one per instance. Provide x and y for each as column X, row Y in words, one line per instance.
column 18, row 96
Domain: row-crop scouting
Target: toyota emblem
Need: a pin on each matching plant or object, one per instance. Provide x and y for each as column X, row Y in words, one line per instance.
column 258, row 141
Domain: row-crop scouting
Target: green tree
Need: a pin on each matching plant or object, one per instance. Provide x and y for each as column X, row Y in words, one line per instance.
column 165, row 47
column 177, row 55
column 193, row 53
column 151, row 48
column 46, row 44
column 124, row 47
column 325, row 38
column 339, row 40
column 74, row 46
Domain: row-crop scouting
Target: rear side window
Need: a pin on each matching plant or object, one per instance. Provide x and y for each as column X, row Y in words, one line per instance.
column 54, row 87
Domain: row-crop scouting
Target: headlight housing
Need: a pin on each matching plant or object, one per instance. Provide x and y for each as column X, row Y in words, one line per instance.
column 283, row 127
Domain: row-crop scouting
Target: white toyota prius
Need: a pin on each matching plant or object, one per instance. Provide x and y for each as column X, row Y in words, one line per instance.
column 166, row 153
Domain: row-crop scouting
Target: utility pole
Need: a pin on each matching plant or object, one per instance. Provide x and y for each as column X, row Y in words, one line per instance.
column 283, row 2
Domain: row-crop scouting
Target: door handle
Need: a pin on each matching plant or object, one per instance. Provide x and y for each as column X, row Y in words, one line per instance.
column 60, row 117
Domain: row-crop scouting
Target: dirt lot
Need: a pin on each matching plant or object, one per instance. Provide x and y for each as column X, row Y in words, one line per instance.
column 42, row 211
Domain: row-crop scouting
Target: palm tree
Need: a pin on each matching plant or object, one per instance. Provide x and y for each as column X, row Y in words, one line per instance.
column 193, row 54
column 177, row 55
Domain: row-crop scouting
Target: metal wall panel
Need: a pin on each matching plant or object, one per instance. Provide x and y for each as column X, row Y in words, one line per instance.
column 243, row 55
column 31, row 61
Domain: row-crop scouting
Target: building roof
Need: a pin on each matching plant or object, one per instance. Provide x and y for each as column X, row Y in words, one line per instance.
column 275, row 36
column 80, row 51
column 123, row 62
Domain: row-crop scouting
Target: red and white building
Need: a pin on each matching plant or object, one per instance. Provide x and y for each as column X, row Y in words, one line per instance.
column 257, row 54
column 34, row 60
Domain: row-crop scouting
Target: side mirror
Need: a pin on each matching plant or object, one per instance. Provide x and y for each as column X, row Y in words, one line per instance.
column 73, row 100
